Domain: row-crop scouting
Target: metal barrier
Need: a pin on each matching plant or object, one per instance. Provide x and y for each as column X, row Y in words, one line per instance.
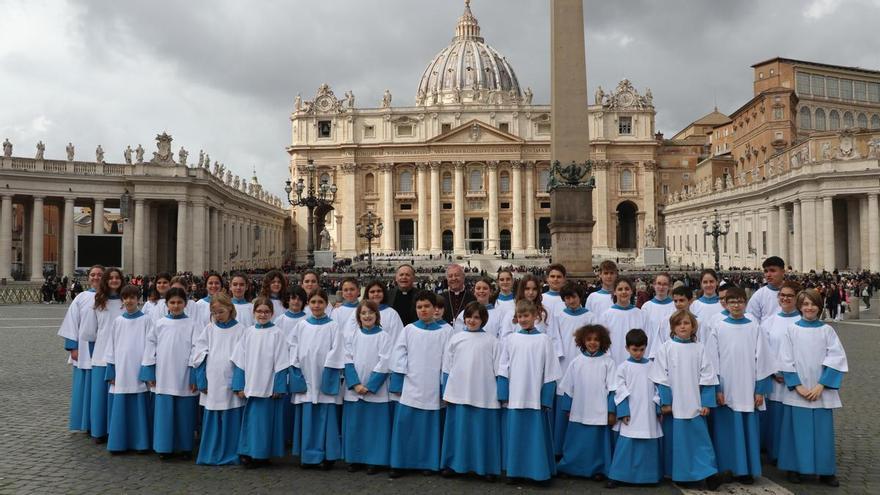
column 20, row 294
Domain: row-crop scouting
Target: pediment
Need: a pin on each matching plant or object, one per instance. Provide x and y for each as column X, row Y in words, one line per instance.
column 475, row 132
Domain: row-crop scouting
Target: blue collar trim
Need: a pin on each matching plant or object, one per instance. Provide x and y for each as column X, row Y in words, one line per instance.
column 265, row 325
column 427, row 326
column 347, row 304
column 627, row 308
column 640, row 361
column 575, row 312
column 708, row 300
column 294, row 315
column 227, row 324
column 207, row 299
column 552, row 293
column 319, row 321
column 490, row 307
column 682, row 341
column 789, row 315
column 237, row 300
column 592, row 354
column 113, row 297
column 737, row 321
column 275, row 297
column 371, row 331
column 725, row 312
column 668, row 300
column 774, row 289
column 810, row 323
column 383, row 307
column 92, row 290
column 176, row 317
column 132, row 316
column 505, row 297
column 528, row 331
column 603, row 291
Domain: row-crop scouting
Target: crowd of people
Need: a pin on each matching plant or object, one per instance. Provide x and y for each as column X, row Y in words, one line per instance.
column 630, row 381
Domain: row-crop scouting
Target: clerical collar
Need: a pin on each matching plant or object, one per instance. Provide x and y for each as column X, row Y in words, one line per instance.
column 227, row 324
column 662, row 301
column 809, row 323
column 680, row 340
column 623, row 308
column 505, row 297
column 528, row 331
column 318, row 321
column 640, row 361
column 372, row 330
column 456, row 292
column 708, row 299
column 427, row 326
column 350, row 304
column 294, row 315
column 592, row 354
column 789, row 315
column 268, row 324
column 574, row 312
column 130, row 316
column 176, row 317
column 239, row 300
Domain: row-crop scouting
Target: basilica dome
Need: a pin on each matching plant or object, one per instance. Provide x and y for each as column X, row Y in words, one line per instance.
column 469, row 71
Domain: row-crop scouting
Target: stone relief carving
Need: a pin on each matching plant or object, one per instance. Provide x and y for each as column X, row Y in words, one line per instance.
column 164, row 156
column 874, row 148
column 846, row 149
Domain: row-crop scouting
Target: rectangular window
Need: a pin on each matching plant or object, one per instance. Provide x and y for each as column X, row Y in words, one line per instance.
column 778, row 113
column 324, row 128
column 874, row 92
column 543, row 129
column 859, row 91
column 832, row 87
column 405, row 130
column 444, row 128
column 665, row 189
column 406, row 206
column 447, row 206
column 369, row 131
column 505, row 206
column 817, row 84
column 545, row 204
column 803, row 83
column 475, row 204
column 504, row 126
column 778, row 135
column 846, row 89
column 625, row 126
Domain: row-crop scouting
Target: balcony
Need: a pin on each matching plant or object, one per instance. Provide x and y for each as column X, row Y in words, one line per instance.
column 475, row 194
column 405, row 195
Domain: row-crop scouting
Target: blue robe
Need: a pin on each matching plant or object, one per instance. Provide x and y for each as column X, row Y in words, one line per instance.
column 472, row 440
column 174, row 423
column 262, row 424
column 366, row 432
column 130, row 422
column 99, row 404
column 218, row 443
column 415, row 438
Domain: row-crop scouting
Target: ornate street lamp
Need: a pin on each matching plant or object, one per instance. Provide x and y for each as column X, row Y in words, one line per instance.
column 716, row 232
column 311, row 195
column 370, row 227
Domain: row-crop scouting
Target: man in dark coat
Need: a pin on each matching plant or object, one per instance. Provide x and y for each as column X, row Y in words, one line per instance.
column 456, row 296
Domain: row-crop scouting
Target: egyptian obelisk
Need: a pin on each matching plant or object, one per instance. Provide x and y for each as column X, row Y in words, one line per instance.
column 571, row 212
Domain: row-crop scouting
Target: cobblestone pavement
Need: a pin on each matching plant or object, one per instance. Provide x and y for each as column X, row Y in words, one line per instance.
column 39, row 455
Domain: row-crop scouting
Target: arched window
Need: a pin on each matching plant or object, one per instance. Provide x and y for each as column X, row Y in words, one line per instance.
column 805, row 120
column 406, row 181
column 475, row 181
column 820, row 119
column 504, row 182
column 369, row 183
column 543, row 177
column 847, row 120
column 325, row 178
column 626, row 180
column 833, row 120
column 875, row 122
column 863, row 120
column 447, row 182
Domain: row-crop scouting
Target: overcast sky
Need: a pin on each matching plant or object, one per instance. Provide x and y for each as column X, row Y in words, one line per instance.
column 221, row 75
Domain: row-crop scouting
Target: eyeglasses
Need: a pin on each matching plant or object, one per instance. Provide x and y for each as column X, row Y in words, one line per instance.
column 783, row 295
column 263, row 311
column 735, row 302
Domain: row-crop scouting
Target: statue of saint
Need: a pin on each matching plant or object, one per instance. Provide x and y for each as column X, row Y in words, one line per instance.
column 99, row 154
column 41, row 148
column 386, row 99
column 7, row 148
column 127, row 154
column 70, row 152
column 599, row 97
column 529, row 95
column 349, row 99
column 182, row 155
column 298, row 102
column 325, row 240
column 139, row 153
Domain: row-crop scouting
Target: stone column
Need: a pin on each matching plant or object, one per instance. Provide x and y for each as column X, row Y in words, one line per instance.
column 772, row 225
column 182, row 238
column 389, row 235
column 139, row 224
column 516, row 237
column 153, row 236
column 98, row 217
column 348, row 235
column 828, row 228
column 67, row 239
column 492, row 233
column 197, row 264
column 873, row 234
column 37, row 240
column 424, row 243
column 6, row 237
column 436, row 234
column 216, row 245
column 782, row 234
column 530, row 207
column 863, row 231
column 601, row 230
column 797, row 252
column 458, row 244
column 808, row 227
column 853, row 235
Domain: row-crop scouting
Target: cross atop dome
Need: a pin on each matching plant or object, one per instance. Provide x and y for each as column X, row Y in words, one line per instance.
column 467, row 28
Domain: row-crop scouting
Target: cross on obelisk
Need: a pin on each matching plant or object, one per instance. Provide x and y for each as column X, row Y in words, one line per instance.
column 571, row 209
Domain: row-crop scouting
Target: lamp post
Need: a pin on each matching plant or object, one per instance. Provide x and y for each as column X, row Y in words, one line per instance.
column 370, row 227
column 716, row 232
column 311, row 195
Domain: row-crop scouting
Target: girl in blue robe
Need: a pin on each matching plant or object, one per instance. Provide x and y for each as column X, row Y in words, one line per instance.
column 108, row 307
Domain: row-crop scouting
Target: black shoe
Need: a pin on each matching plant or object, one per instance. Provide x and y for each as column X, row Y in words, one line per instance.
column 428, row 472
column 490, row 478
column 326, row 465
column 395, row 473
column 598, row 477
column 447, row 473
column 101, row 440
column 353, row 468
column 513, row 481
column 746, row 479
column 186, row 456
column 165, row 457
column 794, row 477
column 713, row 482
column 141, row 452
column 371, row 470
column 829, row 480
column 611, row 484
column 116, row 452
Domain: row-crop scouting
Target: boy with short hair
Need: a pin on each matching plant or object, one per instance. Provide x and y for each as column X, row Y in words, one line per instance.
column 682, row 297
column 637, row 452
column 765, row 302
column 552, row 299
column 745, row 366
column 417, row 361
column 598, row 302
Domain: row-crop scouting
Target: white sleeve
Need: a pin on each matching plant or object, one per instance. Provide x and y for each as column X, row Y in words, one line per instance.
column 835, row 356
column 110, row 355
column 399, row 354
column 659, row 371
column 552, row 369
column 149, row 358
column 621, row 392
column 336, row 357
column 448, row 356
column 200, row 351
column 504, row 360
column 293, row 345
